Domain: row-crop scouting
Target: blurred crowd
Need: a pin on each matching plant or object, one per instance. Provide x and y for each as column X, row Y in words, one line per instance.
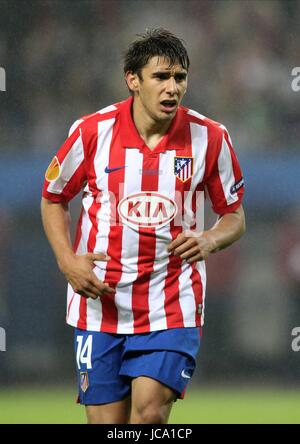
column 63, row 59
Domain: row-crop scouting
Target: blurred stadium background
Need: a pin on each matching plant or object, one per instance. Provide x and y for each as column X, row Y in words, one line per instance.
column 63, row 59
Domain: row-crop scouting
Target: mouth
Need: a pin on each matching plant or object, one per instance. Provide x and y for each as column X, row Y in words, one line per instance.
column 168, row 106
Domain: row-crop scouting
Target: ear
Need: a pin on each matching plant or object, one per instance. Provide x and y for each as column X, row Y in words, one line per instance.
column 132, row 81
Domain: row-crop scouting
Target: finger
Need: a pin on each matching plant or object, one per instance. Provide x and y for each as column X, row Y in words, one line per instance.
column 184, row 247
column 95, row 290
column 196, row 258
column 107, row 289
column 180, row 239
column 87, row 288
column 101, row 286
column 98, row 257
column 190, row 253
column 87, row 294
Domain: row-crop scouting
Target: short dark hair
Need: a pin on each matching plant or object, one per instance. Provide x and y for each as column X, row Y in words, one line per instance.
column 155, row 42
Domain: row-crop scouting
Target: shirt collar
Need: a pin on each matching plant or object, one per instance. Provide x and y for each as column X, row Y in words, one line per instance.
column 174, row 139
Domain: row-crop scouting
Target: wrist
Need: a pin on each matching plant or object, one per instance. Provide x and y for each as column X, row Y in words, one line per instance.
column 64, row 259
column 213, row 241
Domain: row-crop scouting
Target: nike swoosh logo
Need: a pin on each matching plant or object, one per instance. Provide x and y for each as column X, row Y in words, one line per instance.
column 110, row 170
column 184, row 375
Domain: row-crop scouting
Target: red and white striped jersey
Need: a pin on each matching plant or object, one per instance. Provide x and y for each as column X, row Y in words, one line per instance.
column 135, row 202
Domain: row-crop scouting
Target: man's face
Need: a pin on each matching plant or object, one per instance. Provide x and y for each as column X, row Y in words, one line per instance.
column 161, row 88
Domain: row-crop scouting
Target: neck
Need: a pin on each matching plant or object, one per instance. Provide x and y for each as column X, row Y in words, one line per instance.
column 145, row 124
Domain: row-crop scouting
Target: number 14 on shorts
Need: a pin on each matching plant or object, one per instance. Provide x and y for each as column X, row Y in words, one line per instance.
column 84, row 352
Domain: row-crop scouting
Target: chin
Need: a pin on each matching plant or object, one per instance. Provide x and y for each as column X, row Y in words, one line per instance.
column 166, row 116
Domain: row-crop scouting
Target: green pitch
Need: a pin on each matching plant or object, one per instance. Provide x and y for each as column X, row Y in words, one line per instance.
column 201, row 406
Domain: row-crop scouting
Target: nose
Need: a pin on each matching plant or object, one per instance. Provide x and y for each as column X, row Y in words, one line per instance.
column 171, row 86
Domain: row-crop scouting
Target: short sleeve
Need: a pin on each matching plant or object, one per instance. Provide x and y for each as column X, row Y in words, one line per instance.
column 66, row 173
column 225, row 183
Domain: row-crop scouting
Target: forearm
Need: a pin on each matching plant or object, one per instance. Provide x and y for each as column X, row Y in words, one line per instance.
column 56, row 222
column 228, row 229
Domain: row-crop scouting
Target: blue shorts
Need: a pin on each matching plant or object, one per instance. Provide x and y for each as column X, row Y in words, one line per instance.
column 106, row 363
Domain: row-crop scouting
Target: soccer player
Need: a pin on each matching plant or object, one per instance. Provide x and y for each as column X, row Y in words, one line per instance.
column 136, row 272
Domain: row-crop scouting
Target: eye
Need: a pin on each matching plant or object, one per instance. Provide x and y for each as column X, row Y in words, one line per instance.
column 162, row 76
column 180, row 77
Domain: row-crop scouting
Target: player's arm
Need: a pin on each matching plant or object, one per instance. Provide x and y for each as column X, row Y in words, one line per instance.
column 194, row 246
column 78, row 270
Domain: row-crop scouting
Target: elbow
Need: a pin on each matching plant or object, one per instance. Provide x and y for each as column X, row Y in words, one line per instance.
column 243, row 226
column 243, row 230
column 241, row 213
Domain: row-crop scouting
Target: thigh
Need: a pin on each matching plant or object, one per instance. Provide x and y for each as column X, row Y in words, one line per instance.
column 151, row 401
column 113, row 413
column 99, row 357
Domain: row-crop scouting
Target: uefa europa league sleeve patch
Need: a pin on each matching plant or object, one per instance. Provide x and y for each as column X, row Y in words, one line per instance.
column 53, row 170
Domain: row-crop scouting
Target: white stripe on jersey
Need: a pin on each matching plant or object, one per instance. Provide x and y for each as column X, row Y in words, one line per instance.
column 68, row 167
column 94, row 306
column 226, row 173
column 227, row 133
column 195, row 114
column 130, row 245
column 199, row 138
column 73, row 302
column 186, row 295
column 74, row 126
column 107, row 109
column 86, row 224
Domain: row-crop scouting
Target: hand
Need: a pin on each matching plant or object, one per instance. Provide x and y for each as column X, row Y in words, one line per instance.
column 193, row 246
column 79, row 273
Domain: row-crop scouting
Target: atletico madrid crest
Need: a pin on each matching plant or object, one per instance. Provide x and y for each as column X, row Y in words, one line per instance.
column 183, row 168
column 84, row 381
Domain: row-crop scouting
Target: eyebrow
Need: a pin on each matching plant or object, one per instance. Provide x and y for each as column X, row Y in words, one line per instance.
column 180, row 73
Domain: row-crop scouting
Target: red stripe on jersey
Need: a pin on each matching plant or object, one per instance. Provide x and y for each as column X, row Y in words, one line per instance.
column 114, row 266
column 82, row 321
column 147, row 248
column 195, row 275
column 172, row 306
